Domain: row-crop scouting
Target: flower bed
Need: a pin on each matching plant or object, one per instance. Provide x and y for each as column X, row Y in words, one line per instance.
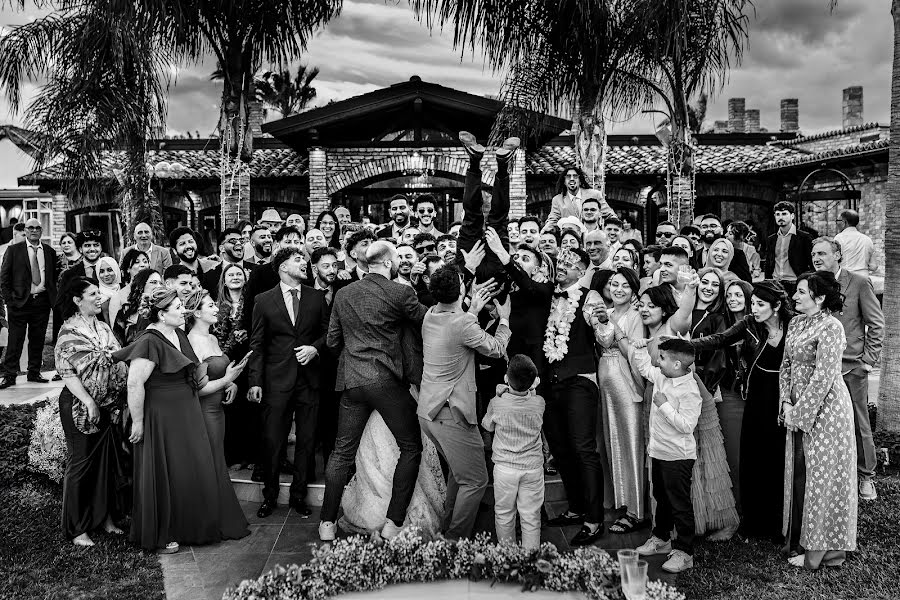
column 31, row 439
column 358, row 564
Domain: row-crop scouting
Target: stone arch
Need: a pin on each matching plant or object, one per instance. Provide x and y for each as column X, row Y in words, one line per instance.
column 381, row 167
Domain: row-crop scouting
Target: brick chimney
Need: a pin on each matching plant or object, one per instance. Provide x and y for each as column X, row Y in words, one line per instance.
column 751, row 120
column 736, row 114
column 720, row 126
column 790, row 115
column 853, row 106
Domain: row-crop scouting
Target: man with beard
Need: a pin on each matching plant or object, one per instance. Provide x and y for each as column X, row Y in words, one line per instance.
column 446, row 248
column 180, row 279
column 325, row 267
column 90, row 245
column 596, row 244
column 343, row 215
column 160, row 257
column 408, row 258
column 613, row 229
column 425, row 244
column 261, row 240
column 711, row 228
column 590, row 213
column 357, row 248
column 789, row 251
column 573, row 191
column 231, row 249
column 373, row 376
column 264, row 277
column 425, row 207
column 571, row 417
column 183, row 241
column 529, row 231
column 665, row 231
column 399, row 211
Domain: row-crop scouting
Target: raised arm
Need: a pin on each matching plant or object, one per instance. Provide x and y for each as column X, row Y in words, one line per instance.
column 729, row 337
column 680, row 322
column 476, row 338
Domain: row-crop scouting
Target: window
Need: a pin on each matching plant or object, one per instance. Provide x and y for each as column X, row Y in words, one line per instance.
column 42, row 210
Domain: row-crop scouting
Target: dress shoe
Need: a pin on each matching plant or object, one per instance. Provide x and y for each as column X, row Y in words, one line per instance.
column 507, row 149
column 37, row 378
column 300, row 506
column 266, row 509
column 8, row 381
column 867, row 490
column 566, row 518
column 57, row 377
column 473, row 148
column 585, row 536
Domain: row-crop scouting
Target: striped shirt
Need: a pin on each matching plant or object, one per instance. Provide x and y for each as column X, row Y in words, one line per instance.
column 516, row 420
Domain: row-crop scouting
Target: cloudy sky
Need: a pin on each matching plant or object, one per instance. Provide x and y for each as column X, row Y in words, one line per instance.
column 797, row 49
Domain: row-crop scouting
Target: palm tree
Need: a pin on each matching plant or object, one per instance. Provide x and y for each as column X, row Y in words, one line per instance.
column 103, row 86
column 278, row 91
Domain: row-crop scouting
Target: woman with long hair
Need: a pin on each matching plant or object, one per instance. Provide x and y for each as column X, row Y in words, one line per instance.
column 761, row 459
column 133, row 263
column 128, row 322
column 179, row 495
column 228, row 330
column 328, row 223
column 684, row 242
column 96, row 483
column 621, row 394
column 821, row 501
column 628, row 258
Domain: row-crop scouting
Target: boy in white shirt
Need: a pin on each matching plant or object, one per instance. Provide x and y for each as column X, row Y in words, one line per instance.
column 672, row 448
column 516, row 416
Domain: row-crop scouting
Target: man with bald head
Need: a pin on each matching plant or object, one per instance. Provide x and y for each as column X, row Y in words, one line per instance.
column 160, row 257
column 368, row 321
column 28, row 287
column 596, row 244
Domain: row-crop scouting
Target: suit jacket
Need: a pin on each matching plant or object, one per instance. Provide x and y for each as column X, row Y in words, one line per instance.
column 561, row 206
column 273, row 364
column 15, row 274
column 530, row 310
column 367, row 324
column 210, row 279
column 262, row 279
column 862, row 319
column 799, row 253
column 160, row 257
column 450, row 342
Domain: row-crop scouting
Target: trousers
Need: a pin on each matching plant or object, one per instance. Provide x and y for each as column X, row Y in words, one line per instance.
column 518, row 491
column 674, row 509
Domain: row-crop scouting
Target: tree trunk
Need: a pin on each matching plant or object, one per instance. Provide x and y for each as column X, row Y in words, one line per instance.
column 137, row 202
column 236, row 139
column 682, row 194
column 590, row 145
column 889, row 394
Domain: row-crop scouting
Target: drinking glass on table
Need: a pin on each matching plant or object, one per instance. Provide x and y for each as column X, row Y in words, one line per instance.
column 634, row 583
column 625, row 557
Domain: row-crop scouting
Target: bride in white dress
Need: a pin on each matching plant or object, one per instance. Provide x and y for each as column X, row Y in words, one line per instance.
column 366, row 497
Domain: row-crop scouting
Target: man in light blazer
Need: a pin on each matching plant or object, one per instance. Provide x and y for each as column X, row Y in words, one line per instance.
column 863, row 323
column 160, row 257
column 451, row 338
column 573, row 190
column 290, row 322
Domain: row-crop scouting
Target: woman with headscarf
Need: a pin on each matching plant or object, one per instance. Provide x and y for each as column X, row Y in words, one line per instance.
column 110, row 279
column 761, row 450
column 720, row 255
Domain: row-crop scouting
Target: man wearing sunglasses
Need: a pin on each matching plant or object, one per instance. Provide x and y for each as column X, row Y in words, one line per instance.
column 425, row 207
column 665, row 231
column 28, row 286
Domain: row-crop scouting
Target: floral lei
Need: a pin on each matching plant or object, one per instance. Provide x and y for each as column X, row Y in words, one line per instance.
column 562, row 314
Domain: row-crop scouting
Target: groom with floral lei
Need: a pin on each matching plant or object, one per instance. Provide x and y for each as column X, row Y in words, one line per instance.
column 570, row 420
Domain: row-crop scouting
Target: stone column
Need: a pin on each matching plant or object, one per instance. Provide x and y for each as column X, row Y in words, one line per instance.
column 319, row 200
column 58, row 224
column 517, row 191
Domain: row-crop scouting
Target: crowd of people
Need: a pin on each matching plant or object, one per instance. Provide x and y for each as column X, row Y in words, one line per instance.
column 709, row 384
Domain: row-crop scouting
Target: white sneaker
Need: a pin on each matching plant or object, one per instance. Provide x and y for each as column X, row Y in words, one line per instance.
column 679, row 561
column 654, row 546
column 867, row 490
column 327, row 531
column 390, row 530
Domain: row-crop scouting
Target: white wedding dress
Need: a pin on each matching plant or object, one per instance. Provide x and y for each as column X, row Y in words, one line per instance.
column 366, row 497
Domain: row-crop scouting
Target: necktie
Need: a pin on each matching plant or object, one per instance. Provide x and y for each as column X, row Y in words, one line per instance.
column 89, row 272
column 35, row 267
column 295, row 302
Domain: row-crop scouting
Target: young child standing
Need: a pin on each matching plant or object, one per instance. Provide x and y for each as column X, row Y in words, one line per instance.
column 672, row 448
column 516, row 416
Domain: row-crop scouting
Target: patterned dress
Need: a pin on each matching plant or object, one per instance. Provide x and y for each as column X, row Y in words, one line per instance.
column 811, row 380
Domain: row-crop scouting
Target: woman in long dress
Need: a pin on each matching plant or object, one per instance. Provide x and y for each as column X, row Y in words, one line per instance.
column 761, row 335
column 621, row 394
column 820, row 496
column 96, row 486
column 179, row 497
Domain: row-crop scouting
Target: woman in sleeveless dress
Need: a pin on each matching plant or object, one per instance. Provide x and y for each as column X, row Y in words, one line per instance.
column 621, row 394
column 179, row 496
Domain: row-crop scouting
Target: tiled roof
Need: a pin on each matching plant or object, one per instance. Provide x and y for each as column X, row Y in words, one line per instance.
column 834, row 132
column 194, row 164
column 807, row 158
column 651, row 160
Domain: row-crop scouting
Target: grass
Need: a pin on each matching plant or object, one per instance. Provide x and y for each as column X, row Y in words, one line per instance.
column 37, row 562
column 756, row 571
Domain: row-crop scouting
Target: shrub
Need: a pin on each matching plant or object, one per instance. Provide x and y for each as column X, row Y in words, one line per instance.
column 16, row 425
column 47, row 452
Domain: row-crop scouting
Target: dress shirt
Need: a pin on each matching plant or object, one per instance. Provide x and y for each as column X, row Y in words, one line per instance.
column 38, row 251
column 783, row 270
column 671, row 424
column 289, row 300
column 329, row 292
column 857, row 251
column 360, row 273
column 592, row 269
column 90, row 270
column 516, row 418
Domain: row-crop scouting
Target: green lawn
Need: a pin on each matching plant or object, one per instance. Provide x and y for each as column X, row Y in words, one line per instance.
column 756, row 571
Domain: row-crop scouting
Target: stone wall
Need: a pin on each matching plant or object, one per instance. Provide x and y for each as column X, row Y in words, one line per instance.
column 842, row 139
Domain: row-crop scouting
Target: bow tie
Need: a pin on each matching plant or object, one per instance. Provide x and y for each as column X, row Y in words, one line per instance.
column 560, row 294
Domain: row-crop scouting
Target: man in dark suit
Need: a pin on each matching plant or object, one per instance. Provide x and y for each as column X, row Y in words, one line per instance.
column 231, row 247
column 400, row 218
column 290, row 322
column 28, row 285
column 357, row 245
column 863, row 323
column 789, row 251
column 90, row 244
column 6, row 234
column 367, row 324
column 264, row 277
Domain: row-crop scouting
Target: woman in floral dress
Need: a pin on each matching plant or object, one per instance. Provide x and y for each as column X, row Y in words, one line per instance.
column 820, row 495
